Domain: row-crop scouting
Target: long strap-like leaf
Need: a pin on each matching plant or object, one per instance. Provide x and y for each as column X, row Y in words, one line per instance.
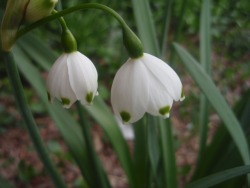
column 219, row 177
column 206, row 84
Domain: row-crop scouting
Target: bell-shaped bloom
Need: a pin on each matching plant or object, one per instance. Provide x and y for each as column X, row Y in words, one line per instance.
column 72, row 77
column 145, row 84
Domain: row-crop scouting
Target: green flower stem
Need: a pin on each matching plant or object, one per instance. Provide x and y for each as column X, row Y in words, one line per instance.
column 101, row 179
column 68, row 40
column 130, row 40
column 61, row 20
column 168, row 153
column 29, row 120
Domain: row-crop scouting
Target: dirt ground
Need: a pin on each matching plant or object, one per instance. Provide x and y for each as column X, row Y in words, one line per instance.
column 20, row 164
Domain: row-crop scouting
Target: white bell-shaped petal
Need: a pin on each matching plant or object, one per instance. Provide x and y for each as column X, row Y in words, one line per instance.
column 145, row 84
column 72, row 77
column 82, row 77
column 129, row 93
column 164, row 75
column 159, row 103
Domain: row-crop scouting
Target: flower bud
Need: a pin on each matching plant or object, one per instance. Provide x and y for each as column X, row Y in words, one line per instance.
column 20, row 11
column 11, row 22
column 38, row 9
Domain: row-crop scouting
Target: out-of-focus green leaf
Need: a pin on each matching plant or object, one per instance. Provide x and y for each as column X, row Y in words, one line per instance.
column 205, row 54
column 223, row 146
column 141, row 158
column 205, row 35
column 145, row 26
column 5, row 183
column 102, row 114
column 168, row 153
column 219, row 177
column 218, row 102
column 154, row 150
column 37, row 50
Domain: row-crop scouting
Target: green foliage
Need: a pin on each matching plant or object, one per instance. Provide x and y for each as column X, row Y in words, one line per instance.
column 5, row 183
column 25, row 171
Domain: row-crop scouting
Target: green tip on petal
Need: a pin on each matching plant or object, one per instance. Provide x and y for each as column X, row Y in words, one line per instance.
column 65, row 101
column 89, row 97
column 182, row 95
column 49, row 97
column 165, row 111
column 125, row 116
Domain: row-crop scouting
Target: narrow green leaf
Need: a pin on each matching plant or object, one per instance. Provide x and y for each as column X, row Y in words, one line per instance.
column 218, row 102
column 168, row 153
column 101, row 177
column 145, row 26
column 222, row 145
column 153, row 148
column 102, row 114
column 165, row 32
column 205, row 53
column 205, row 36
column 178, row 33
column 37, row 50
column 219, row 177
column 141, row 158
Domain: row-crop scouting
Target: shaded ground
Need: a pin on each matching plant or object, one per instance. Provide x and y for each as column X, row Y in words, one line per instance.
column 20, row 164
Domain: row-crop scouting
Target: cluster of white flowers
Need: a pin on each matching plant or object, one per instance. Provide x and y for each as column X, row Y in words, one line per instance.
column 144, row 84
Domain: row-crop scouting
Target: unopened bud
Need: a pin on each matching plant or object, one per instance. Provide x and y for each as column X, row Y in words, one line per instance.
column 19, row 11
column 38, row 9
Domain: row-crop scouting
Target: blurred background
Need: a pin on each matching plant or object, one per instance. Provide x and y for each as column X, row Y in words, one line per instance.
column 99, row 37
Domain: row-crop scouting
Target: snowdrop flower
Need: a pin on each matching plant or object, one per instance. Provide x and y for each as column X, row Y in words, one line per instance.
column 72, row 77
column 144, row 84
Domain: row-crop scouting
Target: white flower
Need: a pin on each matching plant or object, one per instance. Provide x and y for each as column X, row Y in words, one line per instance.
column 72, row 77
column 145, row 84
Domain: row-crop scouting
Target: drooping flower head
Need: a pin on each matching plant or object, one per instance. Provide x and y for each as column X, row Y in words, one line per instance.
column 72, row 77
column 144, row 84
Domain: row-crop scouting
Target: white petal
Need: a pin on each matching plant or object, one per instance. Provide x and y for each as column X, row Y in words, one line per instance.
column 54, row 76
column 129, row 92
column 165, row 75
column 58, row 82
column 160, row 102
column 83, row 77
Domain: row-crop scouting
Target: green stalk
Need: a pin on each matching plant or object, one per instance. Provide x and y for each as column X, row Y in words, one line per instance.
column 154, row 150
column 29, row 120
column 141, row 159
column 130, row 40
column 205, row 54
column 166, row 27
column 168, row 154
column 101, row 180
column 64, row 12
column 178, row 30
column 145, row 25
